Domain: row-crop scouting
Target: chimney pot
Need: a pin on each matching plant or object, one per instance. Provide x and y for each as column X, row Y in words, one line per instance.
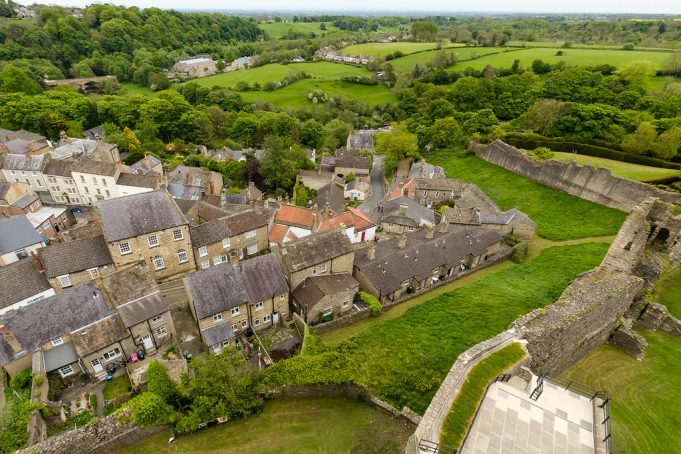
column 429, row 232
column 36, row 261
column 10, row 339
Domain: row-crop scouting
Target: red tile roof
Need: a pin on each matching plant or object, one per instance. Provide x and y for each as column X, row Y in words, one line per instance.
column 351, row 218
column 277, row 233
column 296, row 216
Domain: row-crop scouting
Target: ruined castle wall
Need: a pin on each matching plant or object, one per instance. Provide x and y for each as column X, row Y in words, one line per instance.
column 596, row 185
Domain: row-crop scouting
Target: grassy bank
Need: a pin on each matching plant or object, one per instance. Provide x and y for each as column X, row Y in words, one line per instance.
column 559, row 216
column 618, row 168
column 405, row 359
column 304, row 425
column 668, row 292
column 467, row 401
column 645, row 394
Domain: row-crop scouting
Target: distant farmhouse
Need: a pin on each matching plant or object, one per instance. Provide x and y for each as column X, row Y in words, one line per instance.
column 195, row 67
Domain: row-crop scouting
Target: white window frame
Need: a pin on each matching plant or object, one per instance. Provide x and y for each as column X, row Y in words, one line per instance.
column 235, row 311
column 161, row 331
column 327, row 311
column 182, row 256
column 156, row 260
column 235, row 327
column 252, row 249
column 266, row 318
column 203, row 251
column 205, row 264
column 217, row 318
column 244, row 323
column 156, row 319
column 64, row 281
column 65, row 371
column 225, row 243
column 112, row 354
column 250, row 234
column 125, row 248
column 346, row 303
column 218, row 259
column 57, row 341
column 153, row 241
column 256, row 322
column 177, row 235
column 259, row 306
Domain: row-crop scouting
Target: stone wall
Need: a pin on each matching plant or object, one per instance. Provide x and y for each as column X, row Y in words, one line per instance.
column 341, row 321
column 596, row 185
column 98, row 437
column 656, row 316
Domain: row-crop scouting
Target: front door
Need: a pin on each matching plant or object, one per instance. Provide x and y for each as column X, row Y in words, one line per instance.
column 364, row 234
column 275, row 317
column 148, row 343
column 96, row 366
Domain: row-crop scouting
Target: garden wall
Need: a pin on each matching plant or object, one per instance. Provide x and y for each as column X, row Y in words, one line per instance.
column 342, row 321
column 595, row 185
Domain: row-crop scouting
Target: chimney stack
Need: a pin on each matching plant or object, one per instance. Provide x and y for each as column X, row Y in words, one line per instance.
column 234, row 257
column 403, row 241
column 444, row 225
column 429, row 232
column 105, row 294
column 36, row 261
column 10, row 339
column 422, row 172
column 371, row 250
column 403, row 209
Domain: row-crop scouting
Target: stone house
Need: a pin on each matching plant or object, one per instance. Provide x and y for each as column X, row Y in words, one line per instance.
column 195, row 67
column 422, row 169
column 317, row 255
column 391, row 269
column 330, row 197
column 435, row 191
column 510, row 222
column 191, row 182
column 245, row 233
column 26, row 169
column 60, row 182
column 95, row 180
column 74, row 263
column 251, row 193
column 85, row 149
column 10, row 192
column 361, row 140
column 357, row 190
column 229, row 298
column 23, row 283
column 402, row 187
column 18, row 239
column 403, row 214
column 355, row 224
column 316, row 179
column 149, row 227
column 147, row 165
column 323, row 298
column 49, row 221
column 46, row 328
column 23, row 142
column 356, row 165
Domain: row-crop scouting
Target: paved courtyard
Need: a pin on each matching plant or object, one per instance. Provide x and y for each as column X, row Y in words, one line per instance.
column 509, row 421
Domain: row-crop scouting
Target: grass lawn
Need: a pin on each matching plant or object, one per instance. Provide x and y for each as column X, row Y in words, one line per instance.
column 559, row 216
column 668, row 292
column 305, row 425
column 467, row 401
column 645, row 394
column 573, row 57
column 618, row 168
column 116, row 387
column 275, row 72
column 405, row 359
column 295, row 95
column 134, row 89
column 279, row 29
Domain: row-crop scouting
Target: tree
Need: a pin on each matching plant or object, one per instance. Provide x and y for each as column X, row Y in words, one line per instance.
column 668, row 143
column 446, row 133
column 424, row 30
column 539, row 67
column 322, row 26
column 637, row 72
column 148, row 410
column 312, row 134
column 281, row 164
column 642, row 140
column 14, row 79
column 132, row 142
column 160, row 383
column 302, row 195
column 673, row 64
column 396, row 145
column 244, row 128
column 543, row 114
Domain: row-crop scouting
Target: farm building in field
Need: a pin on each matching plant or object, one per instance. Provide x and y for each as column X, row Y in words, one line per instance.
column 195, row 67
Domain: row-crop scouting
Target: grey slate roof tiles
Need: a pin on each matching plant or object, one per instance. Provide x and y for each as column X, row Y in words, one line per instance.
column 75, row 256
column 313, row 289
column 21, row 280
column 16, row 232
column 225, row 227
column 314, row 249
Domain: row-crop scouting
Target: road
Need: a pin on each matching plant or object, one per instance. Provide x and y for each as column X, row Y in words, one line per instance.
column 377, row 188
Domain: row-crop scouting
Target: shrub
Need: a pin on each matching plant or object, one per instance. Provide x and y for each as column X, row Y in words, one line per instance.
column 160, row 383
column 330, row 367
column 542, row 153
column 21, row 381
column 519, row 252
column 370, row 300
column 148, row 410
column 93, row 401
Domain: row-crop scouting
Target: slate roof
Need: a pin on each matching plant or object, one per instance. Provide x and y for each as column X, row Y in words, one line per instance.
column 313, row 289
column 144, row 165
column 361, row 139
column 139, row 214
column 358, row 185
column 235, row 199
column 95, row 167
column 327, row 164
column 25, row 201
column 6, row 134
column 316, row 174
column 474, row 197
column 311, row 250
column 353, row 162
column 226, row 227
column 99, row 334
column 440, row 183
column 217, row 333
column 92, row 133
column 21, row 280
column 129, row 283
column 392, row 265
column 20, row 162
column 75, row 256
column 296, row 216
column 140, row 181
column 225, row 286
column 52, row 317
column 59, row 167
column 142, row 309
column 332, row 196
column 16, row 232
column 429, row 170
column 415, row 215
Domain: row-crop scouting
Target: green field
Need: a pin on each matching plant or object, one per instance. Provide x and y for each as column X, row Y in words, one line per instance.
column 668, row 292
column 275, row 72
column 559, row 44
column 303, row 425
column 407, row 63
column 279, row 29
column 584, row 57
column 645, row 394
column 467, row 401
column 559, row 216
column 295, row 95
column 405, row 359
column 379, row 50
column 134, row 89
column 618, row 168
